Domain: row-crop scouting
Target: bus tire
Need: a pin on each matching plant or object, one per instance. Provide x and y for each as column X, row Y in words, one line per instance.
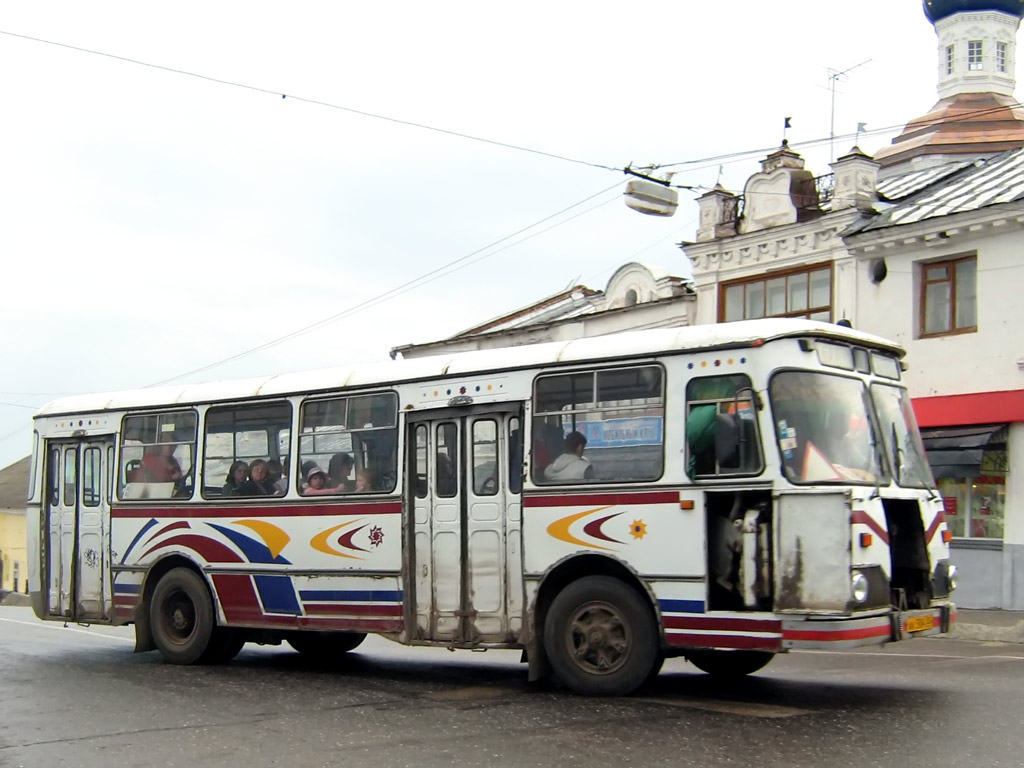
column 225, row 644
column 181, row 616
column 325, row 645
column 729, row 664
column 600, row 637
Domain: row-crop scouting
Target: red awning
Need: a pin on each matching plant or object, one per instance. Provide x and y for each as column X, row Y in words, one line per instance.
column 973, row 408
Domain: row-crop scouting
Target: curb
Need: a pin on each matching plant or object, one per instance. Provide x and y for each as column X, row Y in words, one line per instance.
column 987, row 633
column 16, row 598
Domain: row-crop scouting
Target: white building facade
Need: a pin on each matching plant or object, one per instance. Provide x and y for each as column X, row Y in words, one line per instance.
column 924, row 243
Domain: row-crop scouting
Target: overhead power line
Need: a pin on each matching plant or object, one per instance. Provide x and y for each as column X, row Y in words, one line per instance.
column 438, row 272
column 507, row 145
column 317, row 102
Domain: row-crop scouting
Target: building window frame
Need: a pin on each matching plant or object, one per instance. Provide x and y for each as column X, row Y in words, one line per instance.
column 759, row 289
column 930, row 276
column 975, row 54
column 1001, row 57
column 950, row 59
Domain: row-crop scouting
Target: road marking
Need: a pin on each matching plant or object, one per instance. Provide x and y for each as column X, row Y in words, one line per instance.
column 70, row 629
column 884, row 655
column 744, row 709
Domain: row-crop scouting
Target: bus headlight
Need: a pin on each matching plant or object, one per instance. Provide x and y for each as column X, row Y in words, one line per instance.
column 859, row 587
column 951, row 577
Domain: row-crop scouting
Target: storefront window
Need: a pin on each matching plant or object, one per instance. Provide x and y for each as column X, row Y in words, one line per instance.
column 975, row 506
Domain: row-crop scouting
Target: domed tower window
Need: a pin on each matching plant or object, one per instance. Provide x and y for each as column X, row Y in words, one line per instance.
column 974, row 55
column 631, row 298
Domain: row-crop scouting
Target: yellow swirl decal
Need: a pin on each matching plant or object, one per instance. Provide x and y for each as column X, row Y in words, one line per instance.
column 560, row 529
column 272, row 536
column 319, row 542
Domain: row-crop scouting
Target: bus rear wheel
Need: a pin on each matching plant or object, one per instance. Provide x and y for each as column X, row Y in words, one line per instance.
column 729, row 663
column 181, row 617
column 325, row 645
column 600, row 637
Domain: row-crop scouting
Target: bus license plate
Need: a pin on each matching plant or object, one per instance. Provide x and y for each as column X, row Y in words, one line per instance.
column 919, row 623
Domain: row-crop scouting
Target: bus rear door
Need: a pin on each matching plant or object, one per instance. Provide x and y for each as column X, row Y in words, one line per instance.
column 78, row 529
column 465, row 561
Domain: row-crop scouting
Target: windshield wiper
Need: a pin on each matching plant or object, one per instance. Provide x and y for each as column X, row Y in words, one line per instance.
column 899, row 455
column 869, row 411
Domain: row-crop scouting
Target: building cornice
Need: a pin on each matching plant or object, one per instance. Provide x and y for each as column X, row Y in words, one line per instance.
column 938, row 231
column 774, row 248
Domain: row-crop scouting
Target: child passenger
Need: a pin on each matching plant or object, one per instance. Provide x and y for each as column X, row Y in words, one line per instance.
column 316, row 483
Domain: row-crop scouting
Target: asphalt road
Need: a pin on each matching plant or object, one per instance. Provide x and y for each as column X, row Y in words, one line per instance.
column 79, row 697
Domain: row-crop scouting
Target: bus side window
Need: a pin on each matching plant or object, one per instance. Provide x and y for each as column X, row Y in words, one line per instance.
column 721, row 427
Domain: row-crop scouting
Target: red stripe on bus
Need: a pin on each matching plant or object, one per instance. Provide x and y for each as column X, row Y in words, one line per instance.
column 837, row 635
column 602, row 499
column 126, row 600
column 863, row 518
column 723, row 624
column 359, row 625
column 333, row 609
column 237, row 597
column 213, row 551
column 191, row 512
column 726, row 641
column 940, row 518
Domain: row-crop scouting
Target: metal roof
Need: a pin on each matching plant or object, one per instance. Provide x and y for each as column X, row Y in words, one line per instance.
column 899, row 187
column 617, row 345
column 997, row 180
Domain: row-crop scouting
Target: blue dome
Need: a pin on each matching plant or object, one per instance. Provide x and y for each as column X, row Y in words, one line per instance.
column 936, row 10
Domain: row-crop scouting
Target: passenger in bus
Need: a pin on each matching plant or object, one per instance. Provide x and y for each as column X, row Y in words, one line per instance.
column 364, row 481
column 236, row 478
column 258, row 483
column 159, row 464
column 339, row 470
column 316, row 483
column 276, row 476
column 572, row 465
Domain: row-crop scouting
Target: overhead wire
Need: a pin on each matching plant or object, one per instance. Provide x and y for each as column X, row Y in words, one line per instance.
column 307, row 100
column 426, row 277
column 507, row 145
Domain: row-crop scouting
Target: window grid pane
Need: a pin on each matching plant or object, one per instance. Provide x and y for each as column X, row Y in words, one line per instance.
column 965, row 288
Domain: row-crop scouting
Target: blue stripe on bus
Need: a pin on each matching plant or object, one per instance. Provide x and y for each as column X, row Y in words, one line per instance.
column 127, row 589
column 277, row 594
column 146, row 527
column 681, row 606
column 351, row 595
column 256, row 551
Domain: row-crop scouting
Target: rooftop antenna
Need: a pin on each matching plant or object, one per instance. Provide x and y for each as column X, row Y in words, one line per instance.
column 834, row 76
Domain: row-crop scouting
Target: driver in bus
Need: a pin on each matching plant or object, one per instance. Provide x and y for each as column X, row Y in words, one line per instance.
column 159, row 464
column 572, row 464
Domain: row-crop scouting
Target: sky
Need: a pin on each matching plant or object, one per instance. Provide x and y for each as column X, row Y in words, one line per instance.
column 158, row 220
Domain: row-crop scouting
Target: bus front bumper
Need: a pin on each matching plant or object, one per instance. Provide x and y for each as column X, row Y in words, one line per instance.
column 815, row 632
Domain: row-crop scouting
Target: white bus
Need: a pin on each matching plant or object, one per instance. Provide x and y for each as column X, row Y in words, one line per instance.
column 722, row 492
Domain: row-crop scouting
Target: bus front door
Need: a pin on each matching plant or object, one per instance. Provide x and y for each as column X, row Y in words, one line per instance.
column 465, row 562
column 78, row 528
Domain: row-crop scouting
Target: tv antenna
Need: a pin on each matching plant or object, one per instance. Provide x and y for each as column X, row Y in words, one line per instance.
column 834, row 76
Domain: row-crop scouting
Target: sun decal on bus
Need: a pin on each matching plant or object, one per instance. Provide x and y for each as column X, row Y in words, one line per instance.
column 561, row 529
column 638, row 529
column 323, row 541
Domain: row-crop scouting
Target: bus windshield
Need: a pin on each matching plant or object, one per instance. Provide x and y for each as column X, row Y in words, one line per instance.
column 824, row 429
column 901, row 437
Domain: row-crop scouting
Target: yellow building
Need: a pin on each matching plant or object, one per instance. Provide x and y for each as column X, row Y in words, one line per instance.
column 13, row 551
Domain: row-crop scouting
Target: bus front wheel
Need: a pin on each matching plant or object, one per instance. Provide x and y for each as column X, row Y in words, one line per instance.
column 600, row 637
column 181, row 616
column 729, row 663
